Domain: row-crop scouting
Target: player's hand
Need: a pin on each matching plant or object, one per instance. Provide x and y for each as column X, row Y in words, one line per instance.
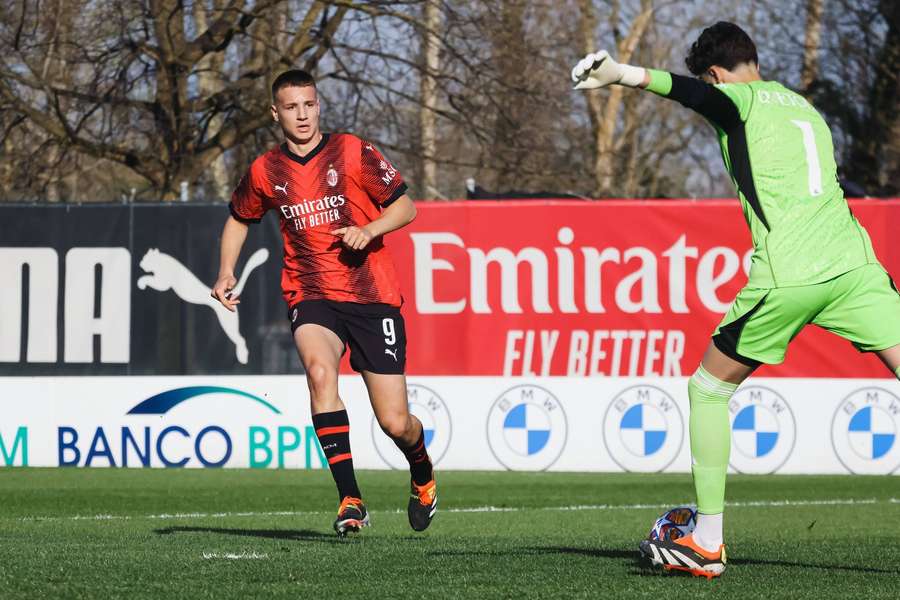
column 221, row 291
column 353, row 237
column 596, row 70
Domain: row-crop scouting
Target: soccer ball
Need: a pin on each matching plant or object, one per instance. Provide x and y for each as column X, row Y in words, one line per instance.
column 674, row 523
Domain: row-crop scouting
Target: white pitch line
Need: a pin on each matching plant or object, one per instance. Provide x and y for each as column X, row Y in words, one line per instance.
column 802, row 502
column 231, row 556
column 473, row 509
column 749, row 503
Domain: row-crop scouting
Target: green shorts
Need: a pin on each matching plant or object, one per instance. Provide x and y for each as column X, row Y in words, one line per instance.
column 862, row 306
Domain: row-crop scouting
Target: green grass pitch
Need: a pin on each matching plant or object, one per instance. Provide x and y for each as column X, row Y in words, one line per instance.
column 98, row 533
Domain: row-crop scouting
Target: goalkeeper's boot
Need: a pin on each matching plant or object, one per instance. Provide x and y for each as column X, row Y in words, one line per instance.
column 422, row 505
column 352, row 516
column 685, row 555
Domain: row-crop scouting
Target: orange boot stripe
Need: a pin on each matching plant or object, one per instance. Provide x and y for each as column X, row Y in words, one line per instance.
column 690, row 543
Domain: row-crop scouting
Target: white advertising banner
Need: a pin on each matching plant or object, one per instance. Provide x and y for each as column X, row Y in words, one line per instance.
column 779, row 425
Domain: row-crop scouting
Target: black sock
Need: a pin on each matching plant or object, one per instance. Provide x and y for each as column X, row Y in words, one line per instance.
column 419, row 463
column 333, row 431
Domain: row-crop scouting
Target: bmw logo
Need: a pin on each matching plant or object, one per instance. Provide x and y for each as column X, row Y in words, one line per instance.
column 763, row 430
column 865, row 431
column 527, row 428
column 432, row 411
column 643, row 429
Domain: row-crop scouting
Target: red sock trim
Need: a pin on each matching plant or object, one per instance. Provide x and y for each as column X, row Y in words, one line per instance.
column 339, row 457
column 332, row 430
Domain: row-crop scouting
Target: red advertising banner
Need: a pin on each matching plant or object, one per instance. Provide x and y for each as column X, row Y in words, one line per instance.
column 610, row 288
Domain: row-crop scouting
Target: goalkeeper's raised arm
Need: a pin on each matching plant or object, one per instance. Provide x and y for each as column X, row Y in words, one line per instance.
column 724, row 106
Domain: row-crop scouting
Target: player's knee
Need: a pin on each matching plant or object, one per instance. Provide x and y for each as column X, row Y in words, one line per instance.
column 395, row 425
column 322, row 379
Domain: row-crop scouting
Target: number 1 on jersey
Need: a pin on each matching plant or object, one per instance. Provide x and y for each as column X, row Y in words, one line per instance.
column 814, row 170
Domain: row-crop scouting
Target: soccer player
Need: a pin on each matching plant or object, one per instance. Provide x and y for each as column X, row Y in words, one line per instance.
column 335, row 197
column 812, row 261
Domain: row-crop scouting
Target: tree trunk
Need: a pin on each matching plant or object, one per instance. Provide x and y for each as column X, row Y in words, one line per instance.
column 209, row 70
column 54, row 68
column 605, row 115
column 428, row 91
column 812, row 39
column 509, row 51
column 874, row 160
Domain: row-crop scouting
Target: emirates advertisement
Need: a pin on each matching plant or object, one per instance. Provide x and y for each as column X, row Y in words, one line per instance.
column 587, row 289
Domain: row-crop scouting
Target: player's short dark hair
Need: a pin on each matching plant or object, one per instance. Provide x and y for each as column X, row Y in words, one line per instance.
column 724, row 45
column 295, row 77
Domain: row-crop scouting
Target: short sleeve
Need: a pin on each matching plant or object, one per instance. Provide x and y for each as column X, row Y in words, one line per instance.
column 248, row 200
column 739, row 93
column 380, row 180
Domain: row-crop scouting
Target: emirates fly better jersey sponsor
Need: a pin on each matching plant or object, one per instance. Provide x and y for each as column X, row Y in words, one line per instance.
column 343, row 181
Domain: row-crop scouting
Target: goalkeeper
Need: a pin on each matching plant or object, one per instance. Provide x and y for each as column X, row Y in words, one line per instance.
column 812, row 260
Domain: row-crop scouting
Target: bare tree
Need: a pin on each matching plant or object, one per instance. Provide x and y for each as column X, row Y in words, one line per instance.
column 429, row 97
column 103, row 100
column 873, row 159
column 144, row 92
column 209, row 71
column 605, row 107
column 811, row 43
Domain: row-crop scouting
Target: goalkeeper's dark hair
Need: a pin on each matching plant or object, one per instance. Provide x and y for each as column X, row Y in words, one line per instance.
column 725, row 45
column 294, row 77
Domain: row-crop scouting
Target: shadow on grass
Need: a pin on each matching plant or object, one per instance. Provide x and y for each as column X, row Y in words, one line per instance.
column 633, row 558
column 539, row 551
column 296, row 535
column 800, row 565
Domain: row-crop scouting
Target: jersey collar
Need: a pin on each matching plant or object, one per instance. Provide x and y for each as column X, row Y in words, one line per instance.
column 303, row 160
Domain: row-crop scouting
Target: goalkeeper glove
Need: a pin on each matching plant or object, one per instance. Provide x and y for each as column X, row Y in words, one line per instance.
column 599, row 70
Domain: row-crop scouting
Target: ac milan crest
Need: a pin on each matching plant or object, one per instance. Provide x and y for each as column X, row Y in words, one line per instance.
column 332, row 176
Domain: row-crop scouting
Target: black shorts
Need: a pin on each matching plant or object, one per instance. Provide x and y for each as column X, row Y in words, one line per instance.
column 375, row 333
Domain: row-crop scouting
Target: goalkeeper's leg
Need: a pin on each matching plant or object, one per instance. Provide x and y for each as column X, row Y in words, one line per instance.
column 757, row 330
column 709, row 390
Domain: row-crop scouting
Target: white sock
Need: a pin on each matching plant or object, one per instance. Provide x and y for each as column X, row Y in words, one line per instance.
column 708, row 533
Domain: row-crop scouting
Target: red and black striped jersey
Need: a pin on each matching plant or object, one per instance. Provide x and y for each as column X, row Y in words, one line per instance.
column 343, row 181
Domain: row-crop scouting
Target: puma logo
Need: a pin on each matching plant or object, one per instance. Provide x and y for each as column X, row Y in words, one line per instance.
column 282, row 188
column 165, row 273
column 392, row 353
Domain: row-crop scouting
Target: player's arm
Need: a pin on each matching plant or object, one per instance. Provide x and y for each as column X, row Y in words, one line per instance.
column 233, row 236
column 247, row 206
column 599, row 70
column 397, row 214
